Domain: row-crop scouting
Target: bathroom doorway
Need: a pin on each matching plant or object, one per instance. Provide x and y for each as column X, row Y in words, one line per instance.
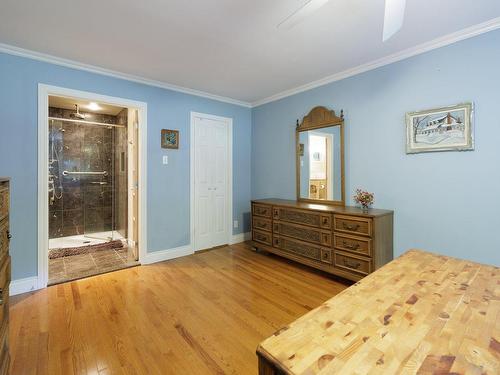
column 93, row 187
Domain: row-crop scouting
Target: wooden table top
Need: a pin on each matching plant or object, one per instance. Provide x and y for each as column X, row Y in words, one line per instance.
column 350, row 210
column 420, row 314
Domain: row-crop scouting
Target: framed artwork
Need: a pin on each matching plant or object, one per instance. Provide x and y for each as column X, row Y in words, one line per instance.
column 301, row 149
column 441, row 129
column 169, row 138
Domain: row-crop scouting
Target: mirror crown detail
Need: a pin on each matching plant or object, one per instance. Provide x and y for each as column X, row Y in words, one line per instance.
column 320, row 117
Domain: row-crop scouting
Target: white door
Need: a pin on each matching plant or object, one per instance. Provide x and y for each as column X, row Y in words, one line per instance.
column 211, row 163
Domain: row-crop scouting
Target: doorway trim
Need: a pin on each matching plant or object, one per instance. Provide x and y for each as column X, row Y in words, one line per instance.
column 229, row 197
column 44, row 91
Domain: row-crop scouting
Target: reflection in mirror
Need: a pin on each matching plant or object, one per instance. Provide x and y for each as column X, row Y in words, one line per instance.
column 320, row 164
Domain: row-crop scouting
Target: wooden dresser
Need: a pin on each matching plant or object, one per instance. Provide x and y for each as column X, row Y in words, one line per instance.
column 4, row 276
column 422, row 313
column 342, row 240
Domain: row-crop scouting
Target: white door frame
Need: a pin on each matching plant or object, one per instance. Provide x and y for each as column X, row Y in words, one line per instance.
column 229, row 196
column 44, row 91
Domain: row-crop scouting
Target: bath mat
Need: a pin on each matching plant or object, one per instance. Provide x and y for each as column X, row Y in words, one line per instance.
column 68, row 251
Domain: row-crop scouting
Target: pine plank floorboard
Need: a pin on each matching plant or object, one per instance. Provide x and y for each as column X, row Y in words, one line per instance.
column 200, row 314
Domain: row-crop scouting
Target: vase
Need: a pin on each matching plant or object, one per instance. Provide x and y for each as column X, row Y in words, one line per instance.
column 365, row 208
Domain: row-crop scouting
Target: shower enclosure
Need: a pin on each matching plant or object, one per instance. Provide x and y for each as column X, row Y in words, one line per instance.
column 87, row 177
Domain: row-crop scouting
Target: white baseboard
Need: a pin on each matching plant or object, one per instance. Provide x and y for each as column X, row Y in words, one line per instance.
column 160, row 256
column 25, row 285
column 30, row 284
column 241, row 237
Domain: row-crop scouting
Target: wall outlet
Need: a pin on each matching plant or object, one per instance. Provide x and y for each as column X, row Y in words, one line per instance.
column 165, row 159
column 235, row 223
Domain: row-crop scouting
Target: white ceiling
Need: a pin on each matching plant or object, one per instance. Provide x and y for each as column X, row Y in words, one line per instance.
column 230, row 48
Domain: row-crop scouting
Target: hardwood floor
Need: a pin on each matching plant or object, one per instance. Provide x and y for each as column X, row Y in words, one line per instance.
column 200, row 314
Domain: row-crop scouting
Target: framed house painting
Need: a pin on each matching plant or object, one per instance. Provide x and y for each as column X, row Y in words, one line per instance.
column 169, row 138
column 441, row 129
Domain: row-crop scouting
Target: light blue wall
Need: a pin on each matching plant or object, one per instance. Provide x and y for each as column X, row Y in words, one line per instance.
column 444, row 202
column 168, row 185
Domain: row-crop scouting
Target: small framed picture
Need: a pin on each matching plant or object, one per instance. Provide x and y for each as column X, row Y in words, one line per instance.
column 169, row 138
column 301, row 149
column 441, row 129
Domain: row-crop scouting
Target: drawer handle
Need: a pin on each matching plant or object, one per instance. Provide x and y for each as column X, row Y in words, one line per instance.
column 349, row 264
column 349, row 246
column 326, row 255
column 325, row 220
column 9, row 236
column 1, row 297
column 350, row 227
column 260, row 237
column 277, row 242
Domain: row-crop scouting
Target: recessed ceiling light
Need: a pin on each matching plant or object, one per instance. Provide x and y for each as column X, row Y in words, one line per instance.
column 94, row 106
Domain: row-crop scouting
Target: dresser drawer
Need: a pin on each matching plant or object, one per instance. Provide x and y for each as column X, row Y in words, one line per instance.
column 353, row 225
column 4, row 306
column 327, row 256
column 4, row 347
column 4, row 239
column 4, row 275
column 4, row 364
column 262, row 237
column 303, row 217
column 261, row 223
column 304, row 233
column 297, row 247
column 357, row 245
column 352, row 263
column 261, row 210
column 4, row 200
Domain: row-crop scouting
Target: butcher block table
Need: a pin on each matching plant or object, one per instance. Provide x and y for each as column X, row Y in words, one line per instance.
column 420, row 314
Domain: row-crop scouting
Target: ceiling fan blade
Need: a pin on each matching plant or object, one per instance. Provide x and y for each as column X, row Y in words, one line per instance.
column 393, row 17
column 305, row 10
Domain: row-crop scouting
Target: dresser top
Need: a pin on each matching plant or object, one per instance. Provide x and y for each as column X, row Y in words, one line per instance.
column 419, row 313
column 4, row 179
column 350, row 210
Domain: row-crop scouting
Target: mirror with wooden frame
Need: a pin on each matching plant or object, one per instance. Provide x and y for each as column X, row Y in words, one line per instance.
column 320, row 157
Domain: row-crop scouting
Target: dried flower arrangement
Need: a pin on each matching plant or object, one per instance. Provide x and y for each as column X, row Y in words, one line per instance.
column 364, row 198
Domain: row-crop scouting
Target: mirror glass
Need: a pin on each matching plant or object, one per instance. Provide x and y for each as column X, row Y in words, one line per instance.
column 320, row 164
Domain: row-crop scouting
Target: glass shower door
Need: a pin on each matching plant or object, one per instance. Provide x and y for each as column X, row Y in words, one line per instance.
column 98, row 186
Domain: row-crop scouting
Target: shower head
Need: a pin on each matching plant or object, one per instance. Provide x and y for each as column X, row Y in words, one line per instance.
column 77, row 115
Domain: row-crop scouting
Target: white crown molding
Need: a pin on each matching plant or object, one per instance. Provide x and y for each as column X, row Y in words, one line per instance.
column 467, row 33
column 16, row 51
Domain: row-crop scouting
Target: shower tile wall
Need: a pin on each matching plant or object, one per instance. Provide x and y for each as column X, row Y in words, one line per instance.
column 86, row 205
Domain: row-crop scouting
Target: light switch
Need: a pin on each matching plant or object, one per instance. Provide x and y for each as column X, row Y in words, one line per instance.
column 165, row 159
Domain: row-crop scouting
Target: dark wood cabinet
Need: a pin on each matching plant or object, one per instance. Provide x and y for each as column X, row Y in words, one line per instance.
column 342, row 240
column 4, row 276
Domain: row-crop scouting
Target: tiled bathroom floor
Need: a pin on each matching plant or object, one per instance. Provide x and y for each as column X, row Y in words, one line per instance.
column 84, row 265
